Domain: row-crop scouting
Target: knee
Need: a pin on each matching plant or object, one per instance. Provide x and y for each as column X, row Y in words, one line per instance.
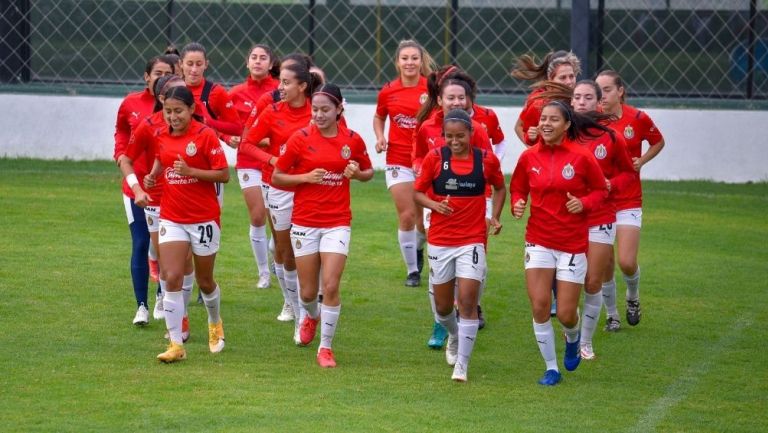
column 407, row 218
column 567, row 316
column 628, row 265
column 206, row 283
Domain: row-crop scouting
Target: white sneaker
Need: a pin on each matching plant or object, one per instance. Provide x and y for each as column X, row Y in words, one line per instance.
column 286, row 315
column 459, row 372
column 142, row 316
column 452, row 349
column 587, row 352
column 158, row 313
column 263, row 281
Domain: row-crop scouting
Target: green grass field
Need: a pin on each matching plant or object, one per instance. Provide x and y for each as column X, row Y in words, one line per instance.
column 72, row 361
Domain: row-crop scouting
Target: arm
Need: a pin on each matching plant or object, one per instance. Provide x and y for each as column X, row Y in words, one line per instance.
column 442, row 207
column 216, row 175
column 519, row 187
column 624, row 170
column 648, row 155
column 280, row 178
column 122, row 132
column 596, row 185
column 498, row 196
column 378, row 130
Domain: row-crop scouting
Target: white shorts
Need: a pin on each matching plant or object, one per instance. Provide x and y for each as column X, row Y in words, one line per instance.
column 447, row 263
column 488, row 208
column 264, row 192
column 128, row 210
column 153, row 218
column 220, row 194
column 312, row 240
column 249, row 177
column 630, row 217
column 204, row 237
column 426, row 214
column 280, row 205
column 398, row 174
column 603, row 233
column 570, row 267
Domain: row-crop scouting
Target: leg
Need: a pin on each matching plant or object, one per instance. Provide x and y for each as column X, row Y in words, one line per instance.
column 402, row 195
column 598, row 261
column 628, row 241
column 137, row 225
column 539, row 286
column 258, row 232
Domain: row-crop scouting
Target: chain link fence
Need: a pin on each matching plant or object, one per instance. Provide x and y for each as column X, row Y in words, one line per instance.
column 670, row 48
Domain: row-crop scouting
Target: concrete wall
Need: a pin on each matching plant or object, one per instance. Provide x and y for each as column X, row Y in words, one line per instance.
column 701, row 144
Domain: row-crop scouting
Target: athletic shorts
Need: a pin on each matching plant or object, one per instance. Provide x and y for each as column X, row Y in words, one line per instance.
column 153, row 218
column 488, row 208
column 204, row 237
column 220, row 193
column 603, row 233
column 426, row 215
column 264, row 192
column 398, row 174
column 569, row 267
column 447, row 263
column 249, row 177
column 630, row 217
column 312, row 240
column 128, row 203
column 280, row 205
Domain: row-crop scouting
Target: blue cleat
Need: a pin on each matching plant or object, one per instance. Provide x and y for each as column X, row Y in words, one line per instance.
column 550, row 378
column 438, row 337
column 572, row 356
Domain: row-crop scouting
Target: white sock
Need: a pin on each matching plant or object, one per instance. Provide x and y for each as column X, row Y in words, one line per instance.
column 292, row 290
column 421, row 239
column 212, row 304
column 311, row 308
column 329, row 317
column 152, row 254
column 258, row 235
column 407, row 240
column 592, row 306
column 571, row 334
column 633, row 285
column 186, row 288
column 467, row 335
column 609, row 299
column 449, row 323
column 545, row 337
column 173, row 304
column 280, row 274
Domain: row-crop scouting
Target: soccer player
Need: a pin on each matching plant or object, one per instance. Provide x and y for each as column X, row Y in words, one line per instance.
column 192, row 160
column 136, row 107
column 277, row 123
column 399, row 100
column 635, row 126
column 452, row 182
column 263, row 70
column 563, row 182
column 319, row 162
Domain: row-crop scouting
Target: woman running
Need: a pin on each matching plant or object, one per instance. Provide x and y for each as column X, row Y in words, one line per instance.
column 564, row 183
column 319, row 161
column 635, row 126
column 399, row 100
column 452, row 182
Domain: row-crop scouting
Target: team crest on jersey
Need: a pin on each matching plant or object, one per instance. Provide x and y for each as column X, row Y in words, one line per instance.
column 600, row 152
column 423, row 98
column 298, row 244
column 282, row 149
column 245, row 177
column 191, row 149
column 149, row 220
column 162, row 230
column 346, row 152
column 568, row 171
column 629, row 132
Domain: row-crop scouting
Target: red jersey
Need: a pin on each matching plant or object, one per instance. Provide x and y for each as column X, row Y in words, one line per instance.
column 277, row 123
column 135, row 107
column 187, row 200
column 611, row 156
column 531, row 113
column 474, row 174
column 635, row 126
column 548, row 173
column 325, row 204
column 227, row 120
column 487, row 118
column 142, row 150
column 430, row 136
column 401, row 105
column 245, row 96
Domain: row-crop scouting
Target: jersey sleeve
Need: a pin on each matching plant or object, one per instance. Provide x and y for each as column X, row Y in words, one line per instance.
column 141, row 141
column 519, row 186
column 213, row 151
column 361, row 154
column 257, row 132
column 480, row 138
column 625, row 173
column 494, row 128
column 427, row 173
column 381, row 101
column 494, row 175
column 228, row 121
column 293, row 150
column 649, row 130
column 420, row 148
column 595, row 182
column 122, row 131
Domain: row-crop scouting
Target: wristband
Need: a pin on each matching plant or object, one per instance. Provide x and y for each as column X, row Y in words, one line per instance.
column 131, row 179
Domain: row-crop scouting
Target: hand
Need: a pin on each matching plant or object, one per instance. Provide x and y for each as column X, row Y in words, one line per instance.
column 533, row 133
column 637, row 163
column 608, row 184
column 234, row 142
column 180, row 166
column 149, row 181
column 444, row 207
column 518, row 209
column 574, row 205
column 381, row 145
column 351, row 170
column 141, row 198
column 494, row 227
column 315, row 176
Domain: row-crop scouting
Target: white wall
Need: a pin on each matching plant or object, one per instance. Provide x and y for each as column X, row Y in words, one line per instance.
column 701, row 144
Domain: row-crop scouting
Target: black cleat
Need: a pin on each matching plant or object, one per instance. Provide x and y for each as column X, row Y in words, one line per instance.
column 413, row 279
column 633, row 312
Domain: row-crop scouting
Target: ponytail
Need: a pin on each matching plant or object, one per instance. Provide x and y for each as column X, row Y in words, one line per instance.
column 583, row 125
column 437, row 81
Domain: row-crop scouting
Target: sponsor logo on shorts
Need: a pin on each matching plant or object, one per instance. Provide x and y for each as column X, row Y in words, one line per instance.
column 346, row 152
column 297, row 233
column 600, row 152
column 568, row 172
column 191, row 148
column 629, row 132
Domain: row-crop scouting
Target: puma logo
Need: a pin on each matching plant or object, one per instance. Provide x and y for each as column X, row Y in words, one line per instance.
column 536, row 170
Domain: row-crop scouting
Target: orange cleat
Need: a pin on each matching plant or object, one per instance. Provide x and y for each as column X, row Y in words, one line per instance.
column 325, row 358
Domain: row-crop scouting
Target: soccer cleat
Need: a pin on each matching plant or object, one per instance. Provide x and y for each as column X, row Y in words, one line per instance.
column 325, row 358
column 216, row 336
column 572, row 355
column 459, row 372
column 158, row 313
column 185, row 328
column 142, row 316
column 286, row 314
column 154, row 270
column 480, row 317
column 437, row 339
column 633, row 311
column 612, row 325
column 175, row 352
column 420, row 260
column 413, row 279
column 297, row 335
column 586, row 352
column 452, row 350
column 263, row 281
column 308, row 330
column 550, row 378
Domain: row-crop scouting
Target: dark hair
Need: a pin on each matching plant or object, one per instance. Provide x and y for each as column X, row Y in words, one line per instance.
column 616, row 80
column 598, row 91
column 183, row 94
column 171, row 49
column 528, row 69
column 194, row 47
column 313, row 79
column 274, row 62
column 458, row 115
column 155, row 60
column 299, row 58
column 438, row 80
column 333, row 92
column 160, row 87
column 552, row 91
column 582, row 125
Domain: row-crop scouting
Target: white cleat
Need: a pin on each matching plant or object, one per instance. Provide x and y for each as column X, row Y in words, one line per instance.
column 452, row 350
column 297, row 335
column 459, row 372
column 263, row 281
column 286, row 315
column 142, row 316
column 586, row 351
column 158, row 313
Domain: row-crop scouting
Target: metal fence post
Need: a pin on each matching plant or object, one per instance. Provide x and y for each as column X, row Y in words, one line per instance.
column 171, row 15
column 311, row 28
column 580, row 33
column 751, row 49
column 599, row 34
column 14, row 42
